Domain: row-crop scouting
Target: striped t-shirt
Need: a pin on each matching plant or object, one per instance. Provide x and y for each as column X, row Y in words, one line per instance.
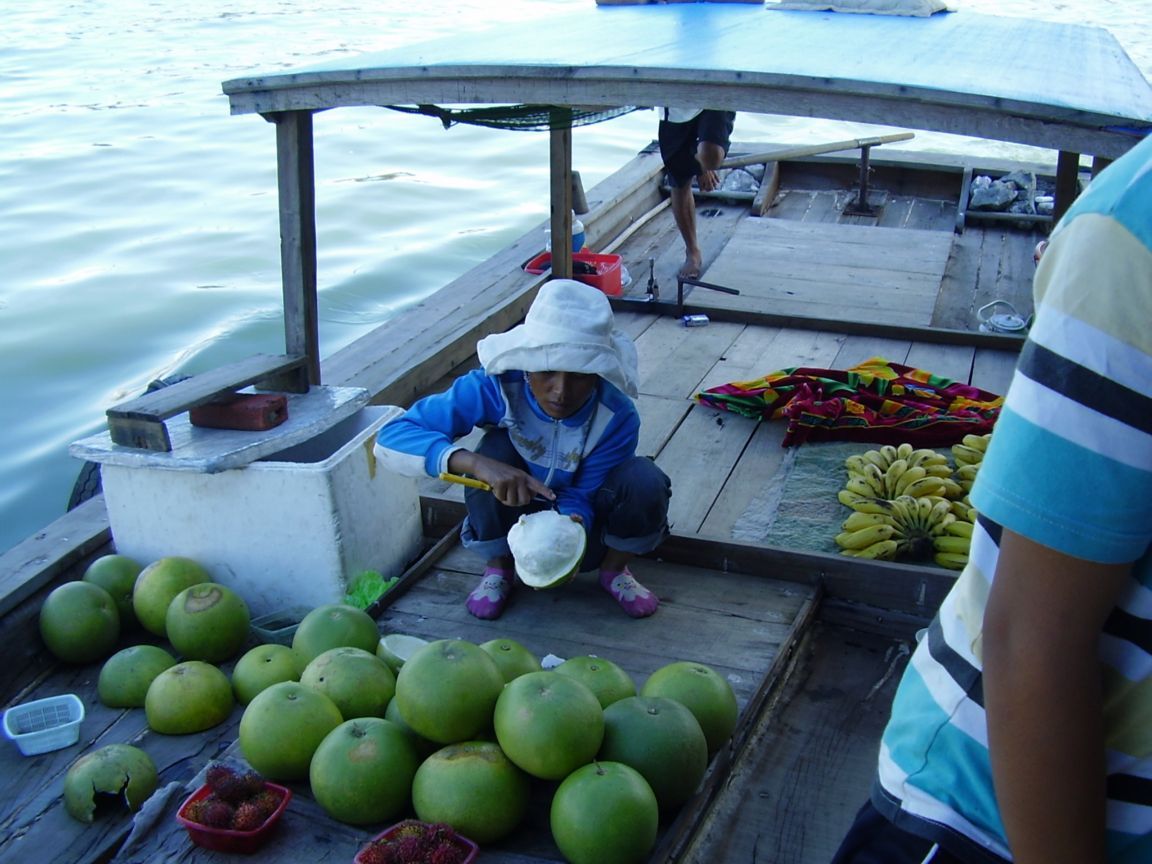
column 1070, row 467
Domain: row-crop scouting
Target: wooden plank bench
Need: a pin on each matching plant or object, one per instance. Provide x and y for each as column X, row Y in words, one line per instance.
column 140, row 423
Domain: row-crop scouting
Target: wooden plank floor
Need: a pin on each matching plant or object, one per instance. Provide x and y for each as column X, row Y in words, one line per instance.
column 830, row 270
column 809, row 764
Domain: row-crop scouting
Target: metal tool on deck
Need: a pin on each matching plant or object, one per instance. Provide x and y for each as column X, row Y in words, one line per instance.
column 712, row 286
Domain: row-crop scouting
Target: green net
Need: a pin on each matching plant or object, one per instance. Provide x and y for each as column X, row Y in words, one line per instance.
column 518, row 117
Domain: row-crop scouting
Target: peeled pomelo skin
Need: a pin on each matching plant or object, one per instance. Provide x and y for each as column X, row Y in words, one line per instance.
column 547, row 547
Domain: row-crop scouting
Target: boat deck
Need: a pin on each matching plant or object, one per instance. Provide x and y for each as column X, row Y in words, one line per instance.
column 788, row 621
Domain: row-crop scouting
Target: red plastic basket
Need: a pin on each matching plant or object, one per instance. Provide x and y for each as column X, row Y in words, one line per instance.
column 227, row 839
column 607, row 276
column 470, row 848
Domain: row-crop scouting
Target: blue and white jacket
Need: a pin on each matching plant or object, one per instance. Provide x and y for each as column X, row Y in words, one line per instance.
column 572, row 456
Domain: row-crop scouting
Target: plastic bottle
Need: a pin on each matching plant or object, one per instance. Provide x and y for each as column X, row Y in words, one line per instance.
column 577, row 235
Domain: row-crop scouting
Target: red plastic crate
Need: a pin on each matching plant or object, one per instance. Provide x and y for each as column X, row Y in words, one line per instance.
column 226, row 839
column 607, row 276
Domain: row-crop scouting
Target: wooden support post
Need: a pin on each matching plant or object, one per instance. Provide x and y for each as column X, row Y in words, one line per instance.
column 561, row 188
column 1067, row 182
column 297, row 187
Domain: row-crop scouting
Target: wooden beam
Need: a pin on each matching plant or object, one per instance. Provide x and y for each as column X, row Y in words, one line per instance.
column 297, row 186
column 560, row 154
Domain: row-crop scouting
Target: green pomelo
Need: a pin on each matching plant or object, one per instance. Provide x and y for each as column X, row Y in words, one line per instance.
column 79, row 622
column 117, row 574
column 189, row 697
column 548, row 724
column 360, row 683
column 547, row 547
column 157, row 586
column 395, row 649
column 336, row 625
column 207, row 622
column 282, row 727
column 261, row 667
column 447, row 690
column 605, row 813
column 608, row 681
column 126, row 676
column 473, row 787
column 661, row 739
column 116, row 771
column 704, row 691
column 513, row 658
column 424, row 747
column 362, row 771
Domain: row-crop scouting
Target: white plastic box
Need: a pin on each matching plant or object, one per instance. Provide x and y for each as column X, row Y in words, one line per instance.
column 287, row 530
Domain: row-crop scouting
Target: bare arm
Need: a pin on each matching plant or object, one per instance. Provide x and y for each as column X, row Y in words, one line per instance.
column 1043, row 696
column 511, row 486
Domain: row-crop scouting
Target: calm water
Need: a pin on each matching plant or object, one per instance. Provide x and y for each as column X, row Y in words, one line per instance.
column 138, row 223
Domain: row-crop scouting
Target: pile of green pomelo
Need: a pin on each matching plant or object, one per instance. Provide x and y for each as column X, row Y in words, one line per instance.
column 455, row 732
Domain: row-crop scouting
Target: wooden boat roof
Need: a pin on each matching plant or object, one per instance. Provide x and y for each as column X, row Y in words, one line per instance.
column 1066, row 87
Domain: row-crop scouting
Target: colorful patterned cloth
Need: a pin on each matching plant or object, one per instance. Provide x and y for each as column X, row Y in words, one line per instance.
column 878, row 401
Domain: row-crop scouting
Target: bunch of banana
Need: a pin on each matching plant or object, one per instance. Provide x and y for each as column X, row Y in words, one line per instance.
column 969, row 454
column 904, row 527
column 890, row 472
column 951, row 547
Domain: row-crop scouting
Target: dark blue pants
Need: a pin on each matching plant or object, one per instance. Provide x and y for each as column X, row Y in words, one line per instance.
column 873, row 839
column 630, row 511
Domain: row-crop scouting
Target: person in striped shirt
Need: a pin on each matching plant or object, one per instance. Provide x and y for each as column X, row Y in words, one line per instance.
column 1022, row 727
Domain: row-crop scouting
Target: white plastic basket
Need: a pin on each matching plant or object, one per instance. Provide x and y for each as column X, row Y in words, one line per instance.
column 44, row 725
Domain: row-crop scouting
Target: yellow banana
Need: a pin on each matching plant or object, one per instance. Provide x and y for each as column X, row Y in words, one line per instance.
column 933, row 486
column 908, row 477
column 863, row 503
column 926, row 457
column 863, row 537
column 855, row 464
column 967, row 472
column 889, row 453
column 948, row 543
column 965, row 455
column 977, row 442
column 882, row 550
column 903, row 451
column 937, row 469
column 951, row 560
column 960, row 528
column 952, row 489
column 857, row 520
column 874, row 477
column 876, row 458
column 940, row 514
column 959, row 509
column 892, row 477
column 857, row 483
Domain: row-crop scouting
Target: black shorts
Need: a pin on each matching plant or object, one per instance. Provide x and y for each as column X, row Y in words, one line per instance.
column 678, row 142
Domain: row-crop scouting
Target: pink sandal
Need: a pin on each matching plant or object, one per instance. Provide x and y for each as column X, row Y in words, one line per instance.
column 633, row 597
column 490, row 596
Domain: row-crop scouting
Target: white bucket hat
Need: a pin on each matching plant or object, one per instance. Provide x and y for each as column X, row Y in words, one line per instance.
column 569, row 328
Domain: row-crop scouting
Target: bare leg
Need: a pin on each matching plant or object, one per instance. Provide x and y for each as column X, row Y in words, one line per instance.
column 709, row 156
column 684, row 212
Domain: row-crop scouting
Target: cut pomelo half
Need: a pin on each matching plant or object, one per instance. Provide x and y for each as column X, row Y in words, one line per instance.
column 395, row 648
column 547, row 547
